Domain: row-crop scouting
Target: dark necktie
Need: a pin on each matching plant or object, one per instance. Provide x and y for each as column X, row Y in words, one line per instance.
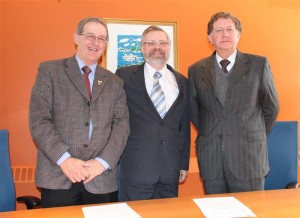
column 157, row 96
column 224, row 63
column 87, row 71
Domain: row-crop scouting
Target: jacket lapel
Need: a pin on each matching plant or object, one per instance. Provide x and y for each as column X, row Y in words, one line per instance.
column 180, row 88
column 139, row 80
column 73, row 71
column 239, row 69
column 100, row 80
column 207, row 73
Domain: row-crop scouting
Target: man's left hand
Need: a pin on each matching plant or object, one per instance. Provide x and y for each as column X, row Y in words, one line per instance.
column 183, row 176
column 95, row 168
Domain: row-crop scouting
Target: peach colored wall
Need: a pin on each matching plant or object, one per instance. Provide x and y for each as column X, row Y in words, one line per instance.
column 34, row 31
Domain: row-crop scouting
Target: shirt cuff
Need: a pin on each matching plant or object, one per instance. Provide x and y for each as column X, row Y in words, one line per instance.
column 103, row 162
column 63, row 158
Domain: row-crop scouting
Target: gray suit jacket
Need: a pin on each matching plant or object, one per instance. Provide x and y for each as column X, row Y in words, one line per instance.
column 60, row 112
column 242, row 125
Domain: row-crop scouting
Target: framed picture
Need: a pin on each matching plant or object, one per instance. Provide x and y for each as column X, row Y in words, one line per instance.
column 124, row 42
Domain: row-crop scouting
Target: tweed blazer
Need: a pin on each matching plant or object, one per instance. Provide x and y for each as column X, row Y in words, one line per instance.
column 60, row 112
column 242, row 124
column 157, row 149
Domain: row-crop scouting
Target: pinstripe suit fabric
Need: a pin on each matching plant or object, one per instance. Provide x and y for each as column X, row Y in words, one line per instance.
column 60, row 111
column 242, row 124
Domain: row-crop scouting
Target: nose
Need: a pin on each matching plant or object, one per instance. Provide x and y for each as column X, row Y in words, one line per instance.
column 96, row 41
column 225, row 32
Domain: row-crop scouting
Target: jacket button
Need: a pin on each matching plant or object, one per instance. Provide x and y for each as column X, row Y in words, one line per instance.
column 85, row 145
column 88, row 104
column 162, row 142
column 86, row 123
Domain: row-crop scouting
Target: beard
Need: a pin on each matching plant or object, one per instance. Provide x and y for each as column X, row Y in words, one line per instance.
column 155, row 60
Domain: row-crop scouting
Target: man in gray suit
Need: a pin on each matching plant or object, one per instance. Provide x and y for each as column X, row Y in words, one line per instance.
column 234, row 105
column 157, row 154
column 80, row 123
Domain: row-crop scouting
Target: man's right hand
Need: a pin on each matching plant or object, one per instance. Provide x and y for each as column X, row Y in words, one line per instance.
column 74, row 169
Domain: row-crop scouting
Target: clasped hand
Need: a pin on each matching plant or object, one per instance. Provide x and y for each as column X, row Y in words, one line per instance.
column 78, row 170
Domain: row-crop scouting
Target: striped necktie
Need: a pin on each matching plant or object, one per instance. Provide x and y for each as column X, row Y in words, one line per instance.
column 157, row 96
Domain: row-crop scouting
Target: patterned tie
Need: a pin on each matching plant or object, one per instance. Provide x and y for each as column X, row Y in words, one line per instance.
column 224, row 63
column 86, row 71
column 157, row 96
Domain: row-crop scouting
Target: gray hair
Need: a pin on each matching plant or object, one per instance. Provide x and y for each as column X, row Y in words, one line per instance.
column 153, row 28
column 84, row 21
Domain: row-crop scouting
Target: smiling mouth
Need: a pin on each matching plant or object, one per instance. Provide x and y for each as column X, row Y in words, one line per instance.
column 92, row 49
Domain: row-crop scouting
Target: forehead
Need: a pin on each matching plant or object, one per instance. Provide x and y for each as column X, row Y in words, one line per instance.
column 95, row 28
column 156, row 35
column 222, row 22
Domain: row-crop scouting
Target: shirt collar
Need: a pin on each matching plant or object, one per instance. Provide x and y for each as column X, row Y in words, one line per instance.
column 150, row 70
column 231, row 58
column 81, row 65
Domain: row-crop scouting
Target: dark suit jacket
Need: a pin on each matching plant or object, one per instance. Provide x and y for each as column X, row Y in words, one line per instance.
column 157, row 148
column 60, row 111
column 250, row 110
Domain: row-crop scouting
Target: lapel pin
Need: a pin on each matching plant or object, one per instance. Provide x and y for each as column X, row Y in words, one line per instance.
column 99, row 82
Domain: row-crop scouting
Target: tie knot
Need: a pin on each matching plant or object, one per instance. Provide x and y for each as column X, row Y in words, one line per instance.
column 157, row 75
column 86, row 69
column 224, row 63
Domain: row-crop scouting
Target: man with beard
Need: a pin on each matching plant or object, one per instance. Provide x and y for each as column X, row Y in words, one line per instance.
column 156, row 158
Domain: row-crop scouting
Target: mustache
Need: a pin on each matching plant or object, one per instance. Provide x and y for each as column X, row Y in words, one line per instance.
column 154, row 50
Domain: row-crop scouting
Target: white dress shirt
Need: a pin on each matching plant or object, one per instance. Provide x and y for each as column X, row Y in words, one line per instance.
column 231, row 58
column 167, row 82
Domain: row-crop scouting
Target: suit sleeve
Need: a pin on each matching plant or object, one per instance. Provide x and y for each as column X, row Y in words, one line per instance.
column 269, row 98
column 41, row 124
column 187, row 134
column 120, row 127
column 193, row 102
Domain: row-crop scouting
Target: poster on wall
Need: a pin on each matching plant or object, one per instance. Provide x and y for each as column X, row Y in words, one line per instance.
column 123, row 48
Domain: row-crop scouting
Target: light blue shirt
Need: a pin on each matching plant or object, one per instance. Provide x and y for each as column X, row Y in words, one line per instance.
column 91, row 79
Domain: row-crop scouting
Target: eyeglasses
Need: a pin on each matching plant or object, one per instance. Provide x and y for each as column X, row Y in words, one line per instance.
column 92, row 38
column 159, row 43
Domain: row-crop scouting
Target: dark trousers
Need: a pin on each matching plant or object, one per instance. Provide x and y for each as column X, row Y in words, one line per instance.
column 226, row 182
column 131, row 192
column 76, row 195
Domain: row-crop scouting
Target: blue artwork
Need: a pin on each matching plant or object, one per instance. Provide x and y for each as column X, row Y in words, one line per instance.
column 129, row 50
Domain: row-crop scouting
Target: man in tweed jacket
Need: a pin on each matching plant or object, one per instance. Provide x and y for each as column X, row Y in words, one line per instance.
column 80, row 138
column 233, row 109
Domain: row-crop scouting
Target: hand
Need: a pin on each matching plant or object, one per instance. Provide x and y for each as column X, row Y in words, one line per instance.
column 94, row 168
column 182, row 176
column 74, row 169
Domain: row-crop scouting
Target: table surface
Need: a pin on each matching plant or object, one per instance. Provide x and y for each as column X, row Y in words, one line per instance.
column 275, row 203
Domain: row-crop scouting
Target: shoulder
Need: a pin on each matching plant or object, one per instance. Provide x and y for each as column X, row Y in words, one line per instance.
column 178, row 74
column 125, row 72
column 57, row 64
column 201, row 64
column 52, row 63
column 108, row 74
column 251, row 57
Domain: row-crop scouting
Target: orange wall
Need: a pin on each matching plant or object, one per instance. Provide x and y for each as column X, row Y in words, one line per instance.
column 34, row 31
